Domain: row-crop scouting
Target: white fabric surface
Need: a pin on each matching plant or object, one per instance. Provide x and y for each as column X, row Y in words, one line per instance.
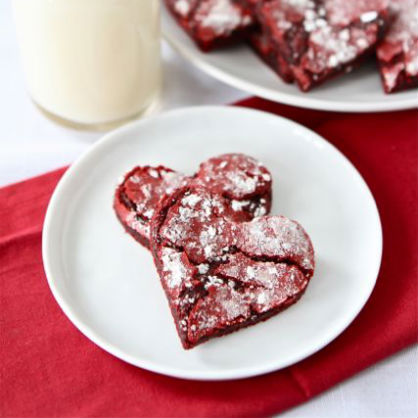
column 30, row 144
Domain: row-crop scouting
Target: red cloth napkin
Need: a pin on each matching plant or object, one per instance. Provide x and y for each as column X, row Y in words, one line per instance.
column 50, row 369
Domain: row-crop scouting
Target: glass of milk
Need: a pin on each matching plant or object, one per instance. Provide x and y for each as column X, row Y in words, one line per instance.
column 90, row 63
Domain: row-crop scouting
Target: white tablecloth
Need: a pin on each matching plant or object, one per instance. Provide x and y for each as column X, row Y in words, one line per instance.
column 30, row 144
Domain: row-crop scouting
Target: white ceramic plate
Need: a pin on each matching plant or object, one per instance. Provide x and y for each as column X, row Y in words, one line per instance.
column 107, row 285
column 360, row 91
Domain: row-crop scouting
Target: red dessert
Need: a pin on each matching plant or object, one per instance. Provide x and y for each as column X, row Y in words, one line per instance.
column 320, row 39
column 252, row 6
column 138, row 194
column 243, row 181
column 262, row 45
column 211, row 23
column 398, row 52
column 220, row 275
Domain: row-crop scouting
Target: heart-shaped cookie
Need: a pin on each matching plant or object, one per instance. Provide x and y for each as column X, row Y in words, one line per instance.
column 244, row 182
column 220, row 275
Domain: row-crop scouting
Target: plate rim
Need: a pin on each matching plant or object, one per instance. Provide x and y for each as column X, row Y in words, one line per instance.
column 307, row 102
column 202, row 375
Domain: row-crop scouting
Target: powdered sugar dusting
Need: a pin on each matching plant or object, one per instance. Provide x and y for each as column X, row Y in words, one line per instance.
column 139, row 193
column 238, row 205
column 175, row 271
column 276, row 236
column 337, row 46
column 269, row 283
column 143, row 187
column 405, row 25
column 222, row 16
column 197, row 225
column 260, row 209
column 401, row 42
column 220, row 308
column 204, row 251
column 237, row 176
column 212, row 23
column 182, row 7
column 342, row 12
column 203, row 268
column 146, row 185
column 390, row 74
column 337, row 43
column 319, row 38
column 138, row 224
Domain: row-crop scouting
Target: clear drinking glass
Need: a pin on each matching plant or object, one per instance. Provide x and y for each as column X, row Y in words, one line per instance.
column 90, row 63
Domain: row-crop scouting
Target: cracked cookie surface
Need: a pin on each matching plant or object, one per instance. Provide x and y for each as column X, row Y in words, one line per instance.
column 211, row 23
column 220, row 275
column 242, row 180
column 318, row 39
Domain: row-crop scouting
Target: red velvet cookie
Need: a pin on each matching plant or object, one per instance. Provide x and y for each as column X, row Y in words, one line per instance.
column 261, row 42
column 211, row 23
column 138, row 194
column 319, row 39
column 220, row 275
column 243, row 181
column 398, row 52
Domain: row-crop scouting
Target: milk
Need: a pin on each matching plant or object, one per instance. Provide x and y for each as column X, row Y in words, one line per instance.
column 90, row 61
